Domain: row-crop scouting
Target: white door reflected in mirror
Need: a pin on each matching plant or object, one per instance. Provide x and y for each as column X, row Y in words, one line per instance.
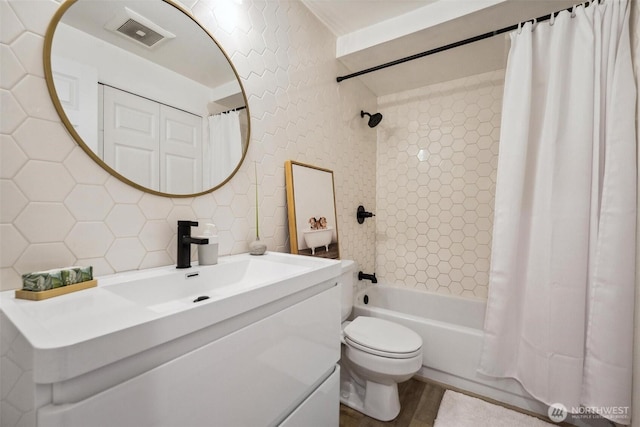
column 168, row 130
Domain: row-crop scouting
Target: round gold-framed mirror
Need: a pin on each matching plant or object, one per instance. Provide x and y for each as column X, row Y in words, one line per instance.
column 148, row 94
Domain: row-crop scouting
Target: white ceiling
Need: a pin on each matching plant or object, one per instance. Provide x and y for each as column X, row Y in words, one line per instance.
column 191, row 53
column 347, row 16
column 374, row 32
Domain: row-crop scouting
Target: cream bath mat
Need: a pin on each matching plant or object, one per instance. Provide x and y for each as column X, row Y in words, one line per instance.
column 460, row 410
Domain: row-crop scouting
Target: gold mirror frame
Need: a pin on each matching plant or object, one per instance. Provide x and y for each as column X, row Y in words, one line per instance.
column 311, row 196
column 48, row 72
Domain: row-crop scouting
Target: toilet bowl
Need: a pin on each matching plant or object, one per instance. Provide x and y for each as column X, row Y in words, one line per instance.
column 376, row 355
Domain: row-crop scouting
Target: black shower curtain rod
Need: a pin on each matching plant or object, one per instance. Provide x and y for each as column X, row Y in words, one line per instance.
column 228, row 111
column 450, row 46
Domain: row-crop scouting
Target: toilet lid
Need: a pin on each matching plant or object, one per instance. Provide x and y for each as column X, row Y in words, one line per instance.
column 383, row 336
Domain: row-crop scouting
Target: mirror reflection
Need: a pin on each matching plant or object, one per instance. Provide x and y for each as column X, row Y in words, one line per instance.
column 148, row 93
column 311, row 202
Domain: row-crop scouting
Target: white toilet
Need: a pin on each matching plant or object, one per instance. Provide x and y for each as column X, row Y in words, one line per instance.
column 376, row 355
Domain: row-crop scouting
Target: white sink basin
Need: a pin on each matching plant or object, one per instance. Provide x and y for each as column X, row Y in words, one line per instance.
column 180, row 289
column 131, row 312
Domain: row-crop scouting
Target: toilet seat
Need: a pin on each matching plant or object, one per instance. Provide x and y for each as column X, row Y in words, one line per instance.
column 382, row 338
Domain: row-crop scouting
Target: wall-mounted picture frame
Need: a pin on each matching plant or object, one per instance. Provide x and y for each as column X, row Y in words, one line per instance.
column 311, row 207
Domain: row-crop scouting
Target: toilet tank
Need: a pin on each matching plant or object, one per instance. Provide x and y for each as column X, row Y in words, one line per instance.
column 347, row 278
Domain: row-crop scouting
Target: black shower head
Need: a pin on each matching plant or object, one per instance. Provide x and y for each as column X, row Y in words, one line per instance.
column 374, row 119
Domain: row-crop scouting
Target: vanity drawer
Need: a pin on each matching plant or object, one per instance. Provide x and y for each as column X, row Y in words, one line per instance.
column 254, row 376
column 321, row 408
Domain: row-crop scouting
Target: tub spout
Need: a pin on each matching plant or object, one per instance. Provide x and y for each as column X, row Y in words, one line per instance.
column 363, row 276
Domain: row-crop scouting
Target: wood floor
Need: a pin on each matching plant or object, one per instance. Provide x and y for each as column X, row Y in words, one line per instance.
column 419, row 403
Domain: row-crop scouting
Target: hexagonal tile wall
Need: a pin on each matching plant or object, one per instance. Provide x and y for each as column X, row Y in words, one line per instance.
column 435, row 170
column 437, row 159
column 64, row 209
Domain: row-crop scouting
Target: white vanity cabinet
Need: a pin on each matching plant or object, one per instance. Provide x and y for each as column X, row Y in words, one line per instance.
column 275, row 364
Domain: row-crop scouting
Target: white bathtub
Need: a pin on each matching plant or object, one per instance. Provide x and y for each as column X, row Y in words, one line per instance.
column 451, row 331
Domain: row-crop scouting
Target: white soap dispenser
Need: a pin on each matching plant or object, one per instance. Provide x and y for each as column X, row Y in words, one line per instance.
column 208, row 253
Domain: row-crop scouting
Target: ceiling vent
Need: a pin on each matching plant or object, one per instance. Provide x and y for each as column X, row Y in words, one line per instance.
column 138, row 28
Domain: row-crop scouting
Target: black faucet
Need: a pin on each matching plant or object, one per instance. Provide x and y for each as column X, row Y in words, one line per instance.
column 184, row 243
column 362, row 214
column 363, row 276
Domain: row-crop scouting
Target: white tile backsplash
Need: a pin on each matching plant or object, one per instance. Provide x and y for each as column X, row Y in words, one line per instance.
column 89, row 202
column 437, row 159
column 12, row 70
column 12, row 245
column 125, row 220
column 11, row 112
column 33, row 132
column 89, row 239
column 44, row 181
column 34, row 222
column 13, row 201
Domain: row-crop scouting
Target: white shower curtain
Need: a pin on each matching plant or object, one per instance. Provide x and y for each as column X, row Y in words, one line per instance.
column 225, row 144
column 560, row 307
